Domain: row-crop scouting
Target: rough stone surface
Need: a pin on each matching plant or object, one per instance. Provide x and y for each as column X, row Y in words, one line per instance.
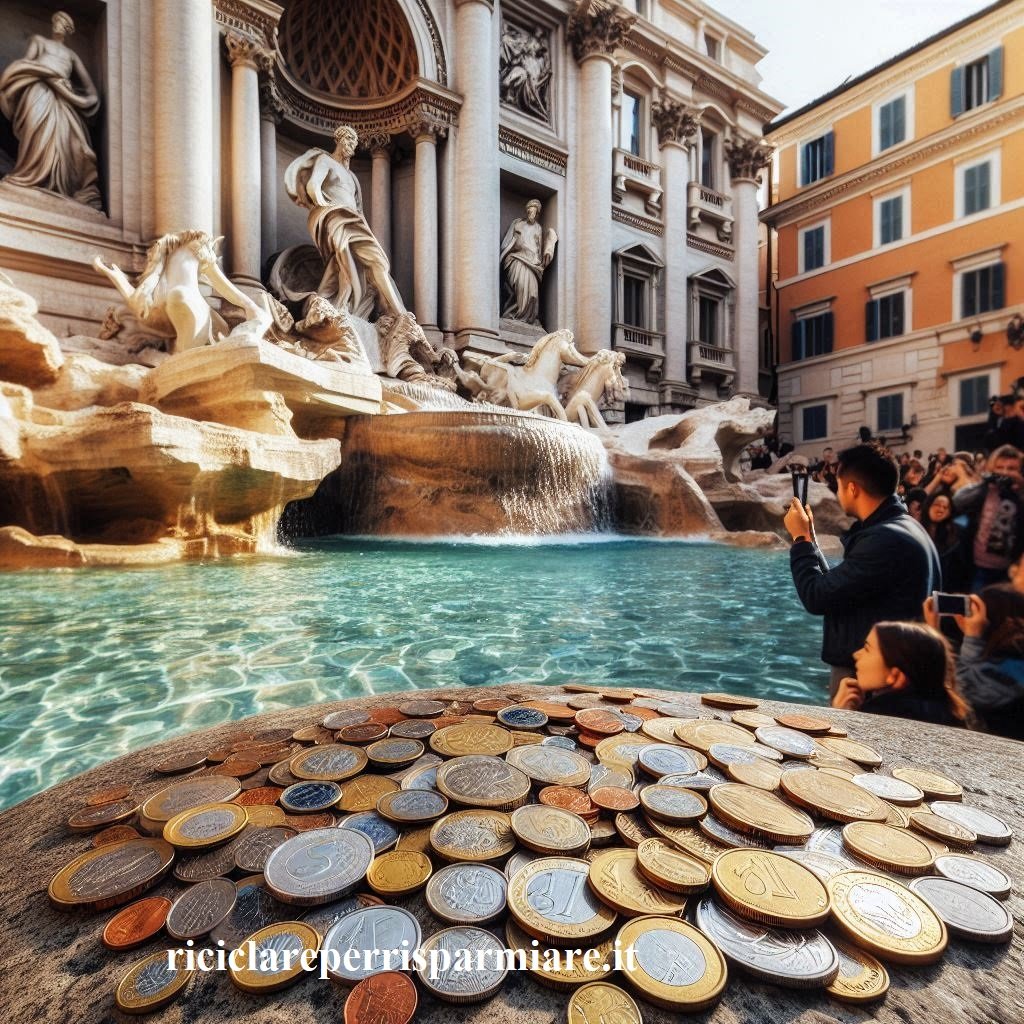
column 29, row 353
column 83, row 381
column 74, row 976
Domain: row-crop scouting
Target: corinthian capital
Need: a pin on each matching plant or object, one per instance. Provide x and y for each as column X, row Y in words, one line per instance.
column 674, row 120
column 598, row 27
column 245, row 50
column 747, row 157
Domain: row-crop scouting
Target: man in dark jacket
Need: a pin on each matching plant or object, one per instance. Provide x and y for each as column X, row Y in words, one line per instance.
column 889, row 565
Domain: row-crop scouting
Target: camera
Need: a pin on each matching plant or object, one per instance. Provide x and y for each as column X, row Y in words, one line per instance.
column 951, row 604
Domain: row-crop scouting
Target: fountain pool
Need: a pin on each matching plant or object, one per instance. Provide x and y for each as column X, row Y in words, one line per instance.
column 94, row 663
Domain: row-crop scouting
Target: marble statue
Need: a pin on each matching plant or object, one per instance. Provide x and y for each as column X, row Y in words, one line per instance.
column 600, row 382
column 167, row 302
column 525, row 70
column 526, row 252
column 357, row 275
column 47, row 114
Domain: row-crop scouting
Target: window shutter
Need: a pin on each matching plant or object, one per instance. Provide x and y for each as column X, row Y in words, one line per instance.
column 957, row 100
column 995, row 73
column 896, row 219
column 828, row 318
column 899, row 121
column 998, row 277
column 885, row 226
column 967, row 306
column 798, row 339
column 805, row 153
column 982, row 181
column 871, row 317
column 885, row 126
column 829, row 157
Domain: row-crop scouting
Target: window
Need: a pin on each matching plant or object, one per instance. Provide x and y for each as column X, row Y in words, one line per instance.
column 981, row 290
column 629, row 130
column 712, row 46
column 634, row 300
column 885, row 316
column 978, row 82
column 812, row 336
column 707, row 329
column 814, row 248
column 892, row 122
column 977, row 188
column 974, row 395
column 817, row 158
column 890, row 413
column 815, row 422
column 890, row 220
column 637, row 275
column 708, row 178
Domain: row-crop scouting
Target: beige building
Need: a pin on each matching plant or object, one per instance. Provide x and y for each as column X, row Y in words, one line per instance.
column 637, row 127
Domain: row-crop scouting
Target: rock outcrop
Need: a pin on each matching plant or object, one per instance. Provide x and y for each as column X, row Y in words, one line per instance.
column 29, row 353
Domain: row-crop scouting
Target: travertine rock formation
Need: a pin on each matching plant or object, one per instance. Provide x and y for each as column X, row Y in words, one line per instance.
column 29, row 353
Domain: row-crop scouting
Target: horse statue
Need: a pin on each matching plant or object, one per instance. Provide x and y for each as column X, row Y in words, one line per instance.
column 525, row 384
column 600, row 382
column 167, row 301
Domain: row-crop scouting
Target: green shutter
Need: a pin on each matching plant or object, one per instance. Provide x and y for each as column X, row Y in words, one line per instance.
column 995, row 73
column 830, row 154
column 899, row 120
column 871, row 320
column 885, row 126
column 967, row 291
column 998, row 286
column 957, row 100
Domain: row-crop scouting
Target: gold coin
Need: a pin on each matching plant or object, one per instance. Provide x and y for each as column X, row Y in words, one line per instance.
column 292, row 941
column 936, row 827
column 728, row 701
column 770, row 889
column 702, row 734
column 558, row 971
column 832, row 796
column 615, row 877
column 265, row 815
column 471, row 738
column 473, row 835
column 673, row 964
column 600, row 1001
column 180, row 796
column 690, row 840
column 751, row 719
column 934, row 785
column 753, row 810
column 886, row 918
column 208, row 825
column 151, row 984
column 621, row 751
column 362, row 793
column 859, row 752
column 482, row 781
column 551, row 766
column 895, row 849
column 550, row 900
column 417, row 839
column 332, row 762
column 633, row 829
column 399, row 872
column 861, row 978
column 668, row 867
column 760, row 774
column 551, row 830
column 663, row 729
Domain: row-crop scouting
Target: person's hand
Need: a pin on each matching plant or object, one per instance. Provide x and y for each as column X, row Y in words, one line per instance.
column 849, row 696
column 797, row 521
column 931, row 616
column 976, row 622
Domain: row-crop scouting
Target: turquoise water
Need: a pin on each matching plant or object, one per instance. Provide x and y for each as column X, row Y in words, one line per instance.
column 97, row 663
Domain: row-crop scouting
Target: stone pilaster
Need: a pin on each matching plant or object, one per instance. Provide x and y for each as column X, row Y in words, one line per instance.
column 425, row 237
column 271, row 113
column 380, row 189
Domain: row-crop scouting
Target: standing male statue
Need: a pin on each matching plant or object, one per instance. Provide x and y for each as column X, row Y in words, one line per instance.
column 526, row 251
column 357, row 269
column 48, row 117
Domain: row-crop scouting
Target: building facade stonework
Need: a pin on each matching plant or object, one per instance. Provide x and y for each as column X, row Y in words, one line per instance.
column 621, row 120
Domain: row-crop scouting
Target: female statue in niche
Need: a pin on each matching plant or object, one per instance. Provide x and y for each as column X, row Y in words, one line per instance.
column 48, row 116
column 526, row 251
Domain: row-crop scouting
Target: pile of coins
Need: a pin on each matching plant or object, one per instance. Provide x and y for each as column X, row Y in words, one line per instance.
column 673, row 842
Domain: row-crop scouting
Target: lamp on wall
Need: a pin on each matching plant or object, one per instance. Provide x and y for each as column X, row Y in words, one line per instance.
column 1015, row 331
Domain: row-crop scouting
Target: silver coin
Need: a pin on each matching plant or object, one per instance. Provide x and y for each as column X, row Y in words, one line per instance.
column 521, row 859
column 700, row 781
column 717, row 829
column 885, row 786
column 318, row 866
column 412, row 806
column 965, row 911
column 382, row 938
column 824, row 865
column 549, row 765
column 798, row 959
column 327, row 915
column 310, row 797
column 200, row 908
column 424, row 777
column 678, row 711
column 827, row 839
column 976, row 873
column 255, row 846
column 558, row 741
column 443, row 974
column 607, row 775
column 631, row 723
column 735, row 753
column 673, row 803
column 786, row 741
column 987, row 827
column 670, row 957
column 254, row 909
column 660, row 759
column 378, row 830
column 426, row 761
column 467, row 893
column 213, row 863
column 339, row 719
column 478, row 780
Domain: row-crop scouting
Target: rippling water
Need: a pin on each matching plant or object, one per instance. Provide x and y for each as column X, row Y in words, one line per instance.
column 97, row 663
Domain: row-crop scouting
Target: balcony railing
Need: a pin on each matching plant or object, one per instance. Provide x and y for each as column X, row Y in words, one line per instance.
column 634, row 174
column 711, row 359
column 711, row 207
column 642, row 345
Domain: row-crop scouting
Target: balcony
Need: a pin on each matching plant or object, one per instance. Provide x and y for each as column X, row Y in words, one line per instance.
column 641, row 345
column 705, row 205
column 633, row 174
column 711, row 360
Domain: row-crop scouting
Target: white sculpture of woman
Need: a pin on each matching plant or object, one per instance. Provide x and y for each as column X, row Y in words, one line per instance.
column 526, row 251
column 48, row 117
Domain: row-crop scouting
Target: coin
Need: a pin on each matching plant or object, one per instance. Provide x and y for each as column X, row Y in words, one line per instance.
column 754, row 810
column 324, row 917
column 757, row 773
column 887, row 847
column 383, row 935
column 550, row 830
column 727, row 836
column 692, row 841
column 446, row 952
column 550, row 766
column 110, row 875
column 200, row 908
column 280, row 954
column 599, row 1001
column 339, row 719
column 769, row 888
column 616, row 879
column 822, row 758
column 365, row 732
column 859, row 752
column 88, row 818
column 832, row 796
column 387, row 716
column 519, row 717
column 796, row 959
column 725, row 754
column 861, row 978
column 896, row 791
column 614, row 798
column 136, row 923
column 700, row 781
column 702, row 734
column 334, row 762
column 255, row 845
column 751, row 719
column 787, row 741
column 301, row 822
column 377, row 829
column 617, row 776
column 673, row 965
column 477, row 835
column 398, row 873
column 559, row 741
column 364, row 792
column 421, row 708
column 600, row 721
column 385, row 998
column 660, row 759
column 976, row 873
column 483, row 781
column 318, row 866
column 987, row 827
column 313, row 734
column 414, row 729
column 107, row 796
column 202, row 827
column 520, row 859
column 262, row 795
column 633, row 828
column 805, row 723
column 886, row 918
column 394, row 752
column 151, row 984
column 183, row 762
column 412, row 806
column 471, row 738
column 568, row 798
column 965, row 911
column 236, row 767
column 281, row 775
column 669, row 868
column 620, row 751
column 424, row 777
column 824, row 865
column 254, row 908
column 728, row 701
column 186, row 794
column 934, row 785
column 310, row 797
column 467, row 893
column 673, row 804
column 212, row 863
column 943, row 829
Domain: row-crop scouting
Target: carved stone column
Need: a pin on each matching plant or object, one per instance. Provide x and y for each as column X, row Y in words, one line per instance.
column 183, row 179
column 747, row 157
column 676, row 125
column 425, row 248
column 245, row 54
column 477, row 178
column 271, row 112
column 380, row 189
column 594, row 38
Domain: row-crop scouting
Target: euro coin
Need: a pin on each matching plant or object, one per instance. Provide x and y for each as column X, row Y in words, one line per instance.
column 186, row 794
column 668, row 867
column 673, row 804
column 279, row 952
column 600, row 1001
column 759, row 812
column 549, row 766
column 934, row 785
column 412, row 806
column 987, row 827
column 887, row 847
column 318, row 866
column 200, row 908
column 937, row 827
column 861, row 978
column 446, row 977
column 202, row 827
column 658, row 759
column 769, row 888
column 110, row 875
column 386, row 998
column 550, row 831
column 467, row 893
column 976, row 873
column 476, row 835
column 310, row 797
column 335, row 762
column 965, row 911
column 886, row 787
column 381, row 936
column 483, row 781
column 519, row 717
column 254, row 908
column 398, row 873
column 702, row 734
column 394, row 752
column 471, row 738
column 672, row 965
column 832, row 796
column 616, row 879
column 381, row 832
column 152, row 984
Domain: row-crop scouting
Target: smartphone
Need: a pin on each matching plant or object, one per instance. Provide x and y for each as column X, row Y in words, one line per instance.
column 801, row 480
column 951, row 604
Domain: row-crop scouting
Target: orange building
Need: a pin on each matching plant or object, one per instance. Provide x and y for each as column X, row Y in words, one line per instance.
column 898, row 258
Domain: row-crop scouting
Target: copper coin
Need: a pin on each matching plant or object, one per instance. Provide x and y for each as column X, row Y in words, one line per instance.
column 422, row 708
column 200, row 908
column 234, row 768
column 555, row 710
column 136, row 923
column 339, row 719
column 589, row 739
column 805, row 723
column 86, row 819
column 567, row 798
column 272, row 735
column 271, row 755
column 261, row 795
column 492, row 705
column 257, row 780
column 598, row 720
column 414, row 729
column 613, row 798
column 115, row 834
column 728, row 701
column 313, row 734
column 385, row 998
column 107, row 796
column 182, row 762
column 365, row 733
column 305, row 822
column 280, row 774
column 387, row 716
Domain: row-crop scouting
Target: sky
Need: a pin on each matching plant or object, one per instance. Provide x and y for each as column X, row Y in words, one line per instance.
column 814, row 45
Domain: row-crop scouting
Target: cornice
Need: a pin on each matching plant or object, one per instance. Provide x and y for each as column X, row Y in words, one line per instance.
column 249, row 17
column 635, row 220
column 705, row 245
column 538, row 153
